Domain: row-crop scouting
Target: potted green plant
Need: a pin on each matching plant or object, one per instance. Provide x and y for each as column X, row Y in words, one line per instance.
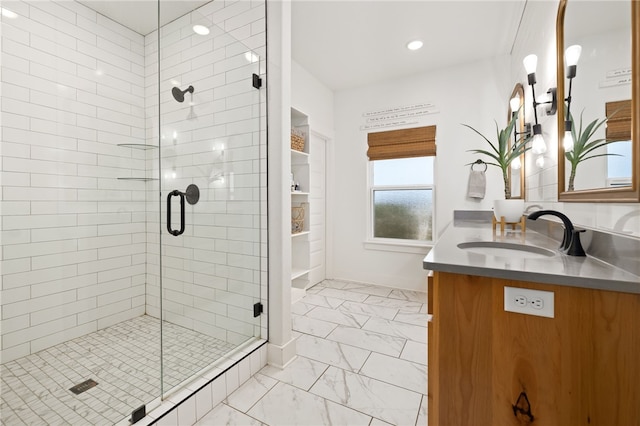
column 501, row 153
column 583, row 146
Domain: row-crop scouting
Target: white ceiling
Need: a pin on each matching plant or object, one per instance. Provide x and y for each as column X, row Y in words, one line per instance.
column 351, row 43
column 142, row 15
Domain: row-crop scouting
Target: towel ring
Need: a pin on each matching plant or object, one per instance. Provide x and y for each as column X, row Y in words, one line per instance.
column 479, row 162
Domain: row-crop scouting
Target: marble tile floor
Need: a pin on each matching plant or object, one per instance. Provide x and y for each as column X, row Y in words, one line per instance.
column 362, row 357
column 125, row 361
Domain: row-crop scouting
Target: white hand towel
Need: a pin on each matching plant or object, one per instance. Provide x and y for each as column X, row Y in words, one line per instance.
column 477, row 184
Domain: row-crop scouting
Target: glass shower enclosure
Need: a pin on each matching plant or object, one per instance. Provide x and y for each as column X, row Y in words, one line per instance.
column 133, row 227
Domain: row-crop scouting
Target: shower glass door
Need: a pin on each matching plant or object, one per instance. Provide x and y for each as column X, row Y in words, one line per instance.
column 211, row 181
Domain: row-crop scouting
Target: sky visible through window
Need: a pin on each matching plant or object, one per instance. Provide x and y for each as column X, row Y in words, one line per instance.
column 619, row 165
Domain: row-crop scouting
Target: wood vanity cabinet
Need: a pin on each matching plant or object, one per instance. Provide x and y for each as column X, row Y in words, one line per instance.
column 580, row 368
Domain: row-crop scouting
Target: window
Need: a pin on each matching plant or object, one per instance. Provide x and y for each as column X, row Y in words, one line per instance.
column 402, row 198
column 401, row 185
column 620, row 160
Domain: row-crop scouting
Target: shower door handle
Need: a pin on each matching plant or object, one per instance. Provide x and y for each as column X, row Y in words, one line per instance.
column 192, row 195
column 173, row 232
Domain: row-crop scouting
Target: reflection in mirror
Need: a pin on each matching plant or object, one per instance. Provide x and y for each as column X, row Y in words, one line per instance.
column 599, row 160
column 516, row 171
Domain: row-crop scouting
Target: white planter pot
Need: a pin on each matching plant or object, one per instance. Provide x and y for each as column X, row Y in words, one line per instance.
column 512, row 210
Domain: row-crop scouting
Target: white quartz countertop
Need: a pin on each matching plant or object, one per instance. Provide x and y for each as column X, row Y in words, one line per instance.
column 561, row 269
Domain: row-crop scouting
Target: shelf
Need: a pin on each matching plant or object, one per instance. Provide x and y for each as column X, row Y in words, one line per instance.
column 300, row 241
column 138, row 179
column 297, row 273
column 138, row 145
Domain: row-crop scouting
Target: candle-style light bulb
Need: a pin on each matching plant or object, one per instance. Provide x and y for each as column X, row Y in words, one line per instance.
column 516, row 164
column 530, row 63
column 567, row 141
column 538, row 146
column 571, row 56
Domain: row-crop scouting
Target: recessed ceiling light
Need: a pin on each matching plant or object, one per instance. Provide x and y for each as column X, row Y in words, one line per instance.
column 200, row 29
column 414, row 45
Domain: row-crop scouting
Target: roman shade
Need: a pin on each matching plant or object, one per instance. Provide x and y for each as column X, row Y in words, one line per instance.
column 619, row 122
column 403, row 143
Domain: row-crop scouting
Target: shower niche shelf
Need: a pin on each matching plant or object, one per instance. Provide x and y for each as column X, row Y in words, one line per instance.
column 141, row 179
column 138, row 146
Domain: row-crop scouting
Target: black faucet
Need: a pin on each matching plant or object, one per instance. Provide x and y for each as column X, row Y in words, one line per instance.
column 571, row 239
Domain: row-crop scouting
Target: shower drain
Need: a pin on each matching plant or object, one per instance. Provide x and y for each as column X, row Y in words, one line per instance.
column 84, row 386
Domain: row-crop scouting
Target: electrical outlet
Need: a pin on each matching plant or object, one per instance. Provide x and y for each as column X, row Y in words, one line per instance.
column 520, row 301
column 529, row 302
column 537, row 303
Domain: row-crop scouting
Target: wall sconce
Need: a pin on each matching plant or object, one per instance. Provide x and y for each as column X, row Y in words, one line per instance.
column 571, row 57
column 538, row 145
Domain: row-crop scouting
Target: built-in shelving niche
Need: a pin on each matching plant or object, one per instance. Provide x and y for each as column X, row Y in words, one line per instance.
column 300, row 238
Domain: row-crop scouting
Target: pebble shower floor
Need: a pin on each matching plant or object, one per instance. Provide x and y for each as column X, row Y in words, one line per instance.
column 125, row 361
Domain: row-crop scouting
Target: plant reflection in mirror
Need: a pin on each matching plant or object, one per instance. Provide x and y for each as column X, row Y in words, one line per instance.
column 583, row 147
column 503, row 152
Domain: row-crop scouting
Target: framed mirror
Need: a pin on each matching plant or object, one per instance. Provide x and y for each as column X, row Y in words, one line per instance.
column 606, row 84
column 516, row 171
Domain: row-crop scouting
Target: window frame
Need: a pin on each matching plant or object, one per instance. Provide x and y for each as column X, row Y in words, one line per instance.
column 396, row 244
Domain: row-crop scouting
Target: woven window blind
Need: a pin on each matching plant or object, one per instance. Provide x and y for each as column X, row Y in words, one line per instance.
column 404, row 143
column 619, row 125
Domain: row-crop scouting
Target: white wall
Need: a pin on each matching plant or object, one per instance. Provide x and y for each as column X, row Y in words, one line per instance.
column 475, row 94
column 311, row 97
column 537, row 35
column 73, row 235
column 282, row 345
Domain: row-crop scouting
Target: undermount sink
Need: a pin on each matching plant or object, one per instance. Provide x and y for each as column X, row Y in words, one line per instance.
column 508, row 250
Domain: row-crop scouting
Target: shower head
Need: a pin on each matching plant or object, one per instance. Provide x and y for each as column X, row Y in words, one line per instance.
column 179, row 94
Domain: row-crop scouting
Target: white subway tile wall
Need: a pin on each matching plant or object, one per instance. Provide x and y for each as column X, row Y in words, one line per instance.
column 73, row 236
column 211, row 274
column 80, row 247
